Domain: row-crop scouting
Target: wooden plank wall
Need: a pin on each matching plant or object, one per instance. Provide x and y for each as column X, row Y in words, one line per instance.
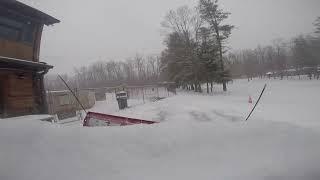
column 16, row 50
column 20, row 97
column 2, row 87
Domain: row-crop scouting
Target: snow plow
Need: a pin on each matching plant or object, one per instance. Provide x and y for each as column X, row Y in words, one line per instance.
column 94, row 119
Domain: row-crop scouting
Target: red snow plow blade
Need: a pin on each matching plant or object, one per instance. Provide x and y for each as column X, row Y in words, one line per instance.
column 97, row 119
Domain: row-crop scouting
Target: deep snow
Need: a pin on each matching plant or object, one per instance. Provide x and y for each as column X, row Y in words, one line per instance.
column 199, row 137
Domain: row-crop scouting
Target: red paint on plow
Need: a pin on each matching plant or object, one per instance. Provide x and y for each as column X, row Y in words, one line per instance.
column 98, row 119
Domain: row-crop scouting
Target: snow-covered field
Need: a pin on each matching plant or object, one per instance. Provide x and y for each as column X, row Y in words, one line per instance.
column 200, row 137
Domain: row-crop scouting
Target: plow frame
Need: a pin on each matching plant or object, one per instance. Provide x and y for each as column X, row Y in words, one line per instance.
column 113, row 120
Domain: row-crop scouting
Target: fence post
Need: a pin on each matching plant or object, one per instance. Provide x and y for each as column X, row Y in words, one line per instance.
column 158, row 91
column 143, row 94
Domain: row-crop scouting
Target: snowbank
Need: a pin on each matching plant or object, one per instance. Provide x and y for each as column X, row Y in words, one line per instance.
column 199, row 137
column 255, row 150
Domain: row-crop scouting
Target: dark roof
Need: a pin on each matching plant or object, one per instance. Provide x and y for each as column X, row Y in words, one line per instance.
column 28, row 11
column 6, row 62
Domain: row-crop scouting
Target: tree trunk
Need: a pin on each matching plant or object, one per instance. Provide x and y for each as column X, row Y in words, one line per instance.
column 199, row 88
column 211, row 86
column 221, row 58
column 207, row 87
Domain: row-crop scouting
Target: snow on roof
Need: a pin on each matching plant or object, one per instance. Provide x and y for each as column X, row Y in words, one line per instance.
column 290, row 70
column 60, row 91
column 41, row 117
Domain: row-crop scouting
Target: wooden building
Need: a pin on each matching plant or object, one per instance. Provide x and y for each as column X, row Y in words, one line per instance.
column 21, row 72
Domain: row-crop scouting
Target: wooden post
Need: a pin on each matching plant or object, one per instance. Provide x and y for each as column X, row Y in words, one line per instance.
column 5, row 95
column 158, row 91
column 2, row 86
column 43, row 97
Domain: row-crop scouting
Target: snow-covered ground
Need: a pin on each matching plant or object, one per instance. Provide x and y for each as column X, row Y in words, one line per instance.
column 200, row 137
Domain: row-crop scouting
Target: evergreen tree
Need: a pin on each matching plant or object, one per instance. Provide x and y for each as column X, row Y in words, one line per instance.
column 214, row 16
column 302, row 53
column 208, row 55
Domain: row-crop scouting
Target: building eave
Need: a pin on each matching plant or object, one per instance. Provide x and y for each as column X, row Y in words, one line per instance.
column 13, row 5
column 7, row 62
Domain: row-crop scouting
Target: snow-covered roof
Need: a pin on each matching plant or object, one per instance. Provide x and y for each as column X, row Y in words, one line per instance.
column 290, row 70
column 121, row 92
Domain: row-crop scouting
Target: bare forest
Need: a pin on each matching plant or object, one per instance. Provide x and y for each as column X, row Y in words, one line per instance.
column 197, row 52
column 283, row 58
column 139, row 70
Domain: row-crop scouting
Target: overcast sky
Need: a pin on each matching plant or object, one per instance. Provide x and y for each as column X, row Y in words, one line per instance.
column 93, row 30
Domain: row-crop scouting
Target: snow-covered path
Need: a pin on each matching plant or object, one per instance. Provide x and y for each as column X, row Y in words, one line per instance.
column 199, row 137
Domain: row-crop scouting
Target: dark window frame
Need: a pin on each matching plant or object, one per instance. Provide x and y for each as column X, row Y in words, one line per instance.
column 26, row 33
column 18, row 32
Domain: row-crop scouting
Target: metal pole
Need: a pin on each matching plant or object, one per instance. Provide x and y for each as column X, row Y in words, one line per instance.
column 264, row 88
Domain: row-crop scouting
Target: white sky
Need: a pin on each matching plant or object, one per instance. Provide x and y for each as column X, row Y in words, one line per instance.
column 92, row 30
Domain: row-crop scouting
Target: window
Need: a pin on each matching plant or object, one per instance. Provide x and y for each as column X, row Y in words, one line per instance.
column 11, row 22
column 27, row 34
column 10, row 29
column 9, row 33
column 16, row 30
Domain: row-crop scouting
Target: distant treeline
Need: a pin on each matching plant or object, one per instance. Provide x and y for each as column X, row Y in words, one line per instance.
column 302, row 52
column 139, row 70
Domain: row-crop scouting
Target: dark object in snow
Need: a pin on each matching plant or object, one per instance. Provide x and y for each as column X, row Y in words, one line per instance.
column 264, row 88
column 97, row 119
column 100, row 95
column 154, row 99
column 122, row 99
column 66, row 114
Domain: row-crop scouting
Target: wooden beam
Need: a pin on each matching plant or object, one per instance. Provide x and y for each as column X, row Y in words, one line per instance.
column 37, row 43
column 44, row 104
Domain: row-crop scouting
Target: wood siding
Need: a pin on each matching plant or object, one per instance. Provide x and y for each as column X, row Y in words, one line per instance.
column 17, row 50
column 20, row 94
column 2, row 92
column 20, row 98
